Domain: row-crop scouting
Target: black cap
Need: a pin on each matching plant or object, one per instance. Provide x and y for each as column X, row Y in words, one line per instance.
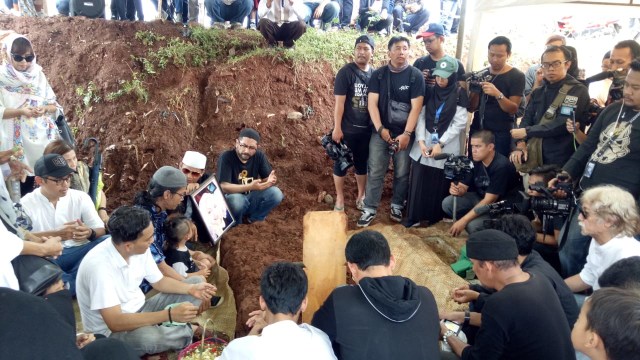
column 249, row 133
column 53, row 165
column 491, row 245
column 367, row 40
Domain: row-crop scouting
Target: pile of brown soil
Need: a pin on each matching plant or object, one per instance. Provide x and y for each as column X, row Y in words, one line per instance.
column 196, row 108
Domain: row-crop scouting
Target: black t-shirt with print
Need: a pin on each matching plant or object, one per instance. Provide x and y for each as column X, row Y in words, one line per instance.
column 498, row 178
column 353, row 83
column 616, row 162
column 405, row 85
column 231, row 170
column 510, row 84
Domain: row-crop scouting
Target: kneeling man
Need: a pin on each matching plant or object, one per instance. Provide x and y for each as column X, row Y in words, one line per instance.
column 111, row 302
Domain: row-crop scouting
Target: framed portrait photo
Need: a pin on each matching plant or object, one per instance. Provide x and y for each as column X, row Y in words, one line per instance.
column 211, row 210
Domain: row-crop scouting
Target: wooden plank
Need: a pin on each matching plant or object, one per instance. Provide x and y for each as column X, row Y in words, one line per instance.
column 324, row 239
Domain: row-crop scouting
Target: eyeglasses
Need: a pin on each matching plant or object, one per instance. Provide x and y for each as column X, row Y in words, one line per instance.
column 181, row 195
column 245, row 146
column 553, row 65
column 191, row 172
column 59, row 181
column 19, row 58
column 583, row 212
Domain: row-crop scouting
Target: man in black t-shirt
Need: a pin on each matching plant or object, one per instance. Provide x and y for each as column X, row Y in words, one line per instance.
column 502, row 89
column 395, row 99
column 247, row 179
column 493, row 178
column 523, row 318
column 433, row 39
column 352, row 124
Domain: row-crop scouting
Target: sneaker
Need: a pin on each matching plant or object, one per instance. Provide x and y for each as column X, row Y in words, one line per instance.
column 383, row 32
column 365, row 219
column 396, row 214
column 218, row 25
column 252, row 26
column 236, row 26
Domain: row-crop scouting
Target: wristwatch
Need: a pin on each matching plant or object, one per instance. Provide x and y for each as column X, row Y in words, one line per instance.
column 500, row 97
column 446, row 335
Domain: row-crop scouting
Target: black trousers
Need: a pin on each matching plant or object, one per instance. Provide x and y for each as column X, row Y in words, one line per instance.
column 288, row 32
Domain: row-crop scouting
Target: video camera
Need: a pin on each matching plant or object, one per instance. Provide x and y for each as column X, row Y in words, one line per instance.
column 338, row 152
column 456, row 167
column 547, row 204
column 476, row 78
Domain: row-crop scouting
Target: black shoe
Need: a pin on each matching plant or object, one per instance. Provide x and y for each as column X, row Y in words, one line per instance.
column 396, row 214
column 409, row 223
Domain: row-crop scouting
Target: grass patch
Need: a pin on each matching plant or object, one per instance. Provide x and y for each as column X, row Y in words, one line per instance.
column 134, row 87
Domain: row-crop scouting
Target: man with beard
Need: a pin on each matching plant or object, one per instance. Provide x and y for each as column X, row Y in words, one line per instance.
column 352, row 124
column 396, row 92
column 247, row 179
column 433, row 39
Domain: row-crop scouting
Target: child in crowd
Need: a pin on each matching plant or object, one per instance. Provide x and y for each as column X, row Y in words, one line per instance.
column 178, row 231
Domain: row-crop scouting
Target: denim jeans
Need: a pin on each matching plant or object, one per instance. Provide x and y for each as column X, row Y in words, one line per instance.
column 574, row 249
column 409, row 22
column 234, row 13
column 70, row 260
column 255, row 205
column 153, row 339
column 346, row 9
column 377, row 166
column 330, row 12
column 61, row 5
column 464, row 204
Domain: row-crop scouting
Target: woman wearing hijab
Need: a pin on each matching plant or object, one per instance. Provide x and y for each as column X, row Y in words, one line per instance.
column 440, row 127
column 27, row 103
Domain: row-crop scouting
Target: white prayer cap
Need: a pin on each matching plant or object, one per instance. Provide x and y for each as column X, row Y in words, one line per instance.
column 194, row 159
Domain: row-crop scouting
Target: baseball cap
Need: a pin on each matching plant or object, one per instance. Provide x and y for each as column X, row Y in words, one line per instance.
column 365, row 39
column 53, row 165
column 433, row 29
column 445, row 67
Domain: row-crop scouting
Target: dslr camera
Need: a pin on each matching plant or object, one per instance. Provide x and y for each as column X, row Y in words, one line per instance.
column 476, row 78
column 457, row 168
column 338, row 152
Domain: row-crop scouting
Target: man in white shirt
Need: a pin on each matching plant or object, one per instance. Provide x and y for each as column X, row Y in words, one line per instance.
column 57, row 210
column 283, row 297
column 609, row 215
column 111, row 302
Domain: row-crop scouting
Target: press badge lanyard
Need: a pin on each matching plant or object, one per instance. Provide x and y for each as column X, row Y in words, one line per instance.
column 434, row 135
column 613, row 136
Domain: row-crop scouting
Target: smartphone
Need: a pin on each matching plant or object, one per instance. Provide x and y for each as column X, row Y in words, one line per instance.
column 453, row 326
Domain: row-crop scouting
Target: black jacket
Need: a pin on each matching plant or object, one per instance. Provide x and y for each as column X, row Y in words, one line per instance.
column 557, row 142
column 382, row 318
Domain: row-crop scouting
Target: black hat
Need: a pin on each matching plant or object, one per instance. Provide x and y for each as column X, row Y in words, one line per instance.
column 367, row 40
column 491, row 245
column 53, row 165
column 249, row 133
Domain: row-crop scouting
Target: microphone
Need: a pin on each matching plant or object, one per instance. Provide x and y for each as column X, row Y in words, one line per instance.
column 441, row 156
column 599, row 77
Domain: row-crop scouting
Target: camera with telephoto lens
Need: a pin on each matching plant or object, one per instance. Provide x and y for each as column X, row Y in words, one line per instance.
column 457, row 168
column 476, row 78
column 338, row 152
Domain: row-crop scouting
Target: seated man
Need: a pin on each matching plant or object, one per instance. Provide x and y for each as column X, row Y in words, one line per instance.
column 247, row 179
column 57, row 210
column 519, row 321
column 284, row 298
column 193, row 167
column 378, row 11
column 282, row 21
column 410, row 15
column 111, row 302
column 324, row 10
column 519, row 228
column 609, row 215
column 234, row 11
column 383, row 316
column 609, row 325
column 493, row 178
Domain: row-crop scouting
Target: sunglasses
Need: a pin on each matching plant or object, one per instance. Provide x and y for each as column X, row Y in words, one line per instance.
column 582, row 211
column 19, row 58
column 189, row 172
